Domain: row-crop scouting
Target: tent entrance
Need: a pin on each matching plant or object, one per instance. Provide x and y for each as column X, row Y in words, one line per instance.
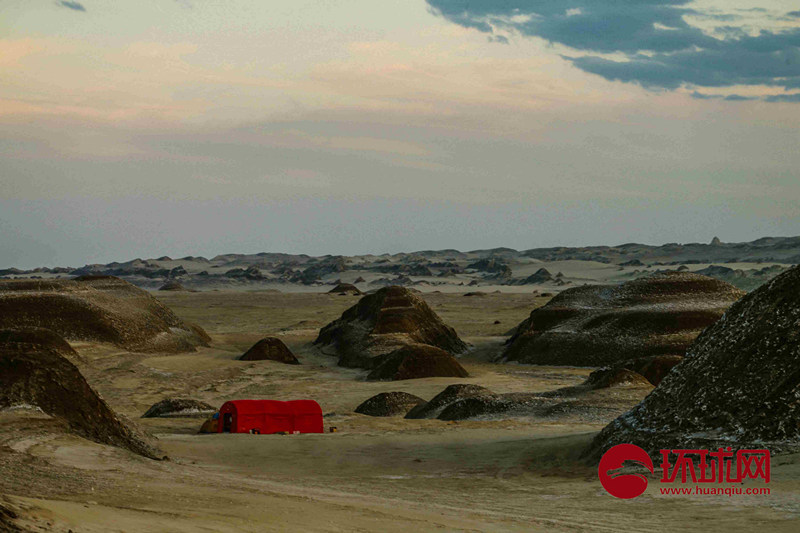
column 227, row 422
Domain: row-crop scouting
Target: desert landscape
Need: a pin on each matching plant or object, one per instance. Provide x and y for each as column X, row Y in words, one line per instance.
column 409, row 266
column 743, row 264
column 503, row 446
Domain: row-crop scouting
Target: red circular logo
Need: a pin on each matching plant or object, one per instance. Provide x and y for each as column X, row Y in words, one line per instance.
column 621, row 485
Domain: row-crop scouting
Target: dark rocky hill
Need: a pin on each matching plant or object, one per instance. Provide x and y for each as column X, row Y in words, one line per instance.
column 415, row 361
column 599, row 325
column 389, row 404
column 42, row 378
column 381, row 323
column 739, row 383
column 270, row 349
column 97, row 308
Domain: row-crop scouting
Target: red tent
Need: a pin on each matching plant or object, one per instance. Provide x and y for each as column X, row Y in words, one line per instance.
column 270, row 416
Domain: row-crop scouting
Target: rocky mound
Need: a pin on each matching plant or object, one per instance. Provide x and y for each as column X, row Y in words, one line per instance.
column 507, row 405
column 490, row 264
column 615, row 377
column 345, row 288
column 449, row 395
column 654, row 368
column 389, row 404
column 34, row 338
column 605, row 393
column 603, row 378
column 172, row 285
column 270, row 349
column 415, row 361
column 600, row 325
column 738, row 384
column 41, row 377
column 540, row 276
column 380, row 323
column 583, row 404
column 179, row 408
column 97, row 308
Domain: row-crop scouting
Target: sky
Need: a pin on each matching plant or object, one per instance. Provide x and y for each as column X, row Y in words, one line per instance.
column 180, row 127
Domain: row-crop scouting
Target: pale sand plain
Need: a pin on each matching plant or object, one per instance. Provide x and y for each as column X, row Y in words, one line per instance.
column 374, row 474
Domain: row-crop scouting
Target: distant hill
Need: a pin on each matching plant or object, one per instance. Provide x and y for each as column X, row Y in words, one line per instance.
column 746, row 265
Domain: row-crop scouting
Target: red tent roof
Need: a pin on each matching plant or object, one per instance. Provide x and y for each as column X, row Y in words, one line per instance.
column 270, row 416
column 246, row 407
column 306, row 407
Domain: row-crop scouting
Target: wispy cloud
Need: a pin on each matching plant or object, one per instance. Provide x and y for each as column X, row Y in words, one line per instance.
column 75, row 6
column 784, row 98
column 650, row 42
column 728, row 97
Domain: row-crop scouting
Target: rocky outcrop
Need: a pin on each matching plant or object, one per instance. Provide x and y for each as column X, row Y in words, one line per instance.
column 179, row 408
column 172, row 285
column 40, row 377
column 37, row 338
column 382, row 322
column 654, row 368
column 251, row 273
column 540, row 276
column 601, row 325
column 100, row 309
column 346, row 288
column 493, row 266
column 449, row 395
column 415, row 361
column 270, row 349
column 603, row 378
column 389, row 404
column 739, row 383
column 605, row 393
column 328, row 265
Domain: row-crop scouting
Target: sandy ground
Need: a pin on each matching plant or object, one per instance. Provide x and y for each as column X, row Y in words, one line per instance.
column 374, row 474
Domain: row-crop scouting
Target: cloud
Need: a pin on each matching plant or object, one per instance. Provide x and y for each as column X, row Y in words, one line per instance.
column 702, row 96
column 729, row 97
column 647, row 42
column 75, row 6
column 795, row 97
column 740, row 98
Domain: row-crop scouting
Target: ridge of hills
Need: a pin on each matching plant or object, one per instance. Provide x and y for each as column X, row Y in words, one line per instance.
column 746, row 265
